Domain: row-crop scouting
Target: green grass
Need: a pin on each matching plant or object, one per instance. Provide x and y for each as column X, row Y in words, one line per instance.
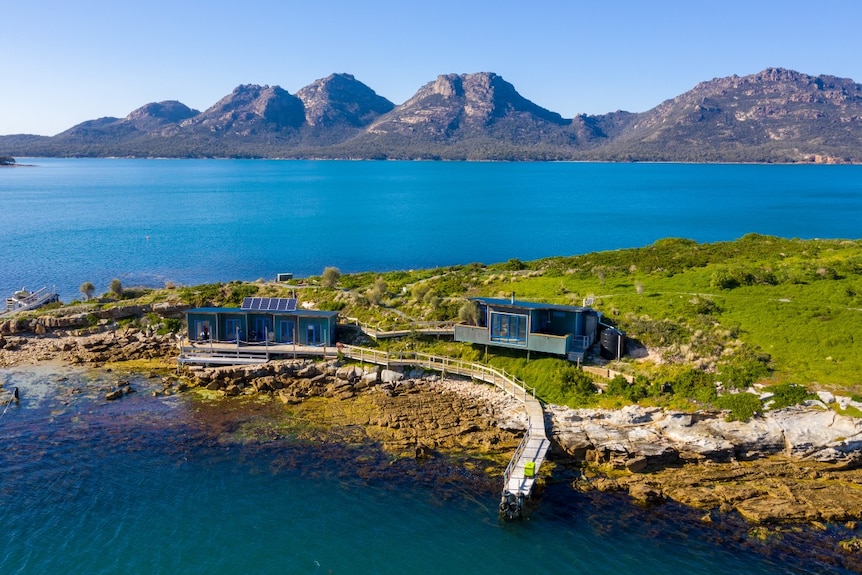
column 759, row 309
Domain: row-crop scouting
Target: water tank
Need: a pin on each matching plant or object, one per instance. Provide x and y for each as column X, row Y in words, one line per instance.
column 613, row 343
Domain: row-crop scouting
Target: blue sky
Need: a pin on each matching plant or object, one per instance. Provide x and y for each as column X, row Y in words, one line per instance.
column 67, row 62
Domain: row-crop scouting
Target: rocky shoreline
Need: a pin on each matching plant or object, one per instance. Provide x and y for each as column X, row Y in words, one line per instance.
column 795, row 465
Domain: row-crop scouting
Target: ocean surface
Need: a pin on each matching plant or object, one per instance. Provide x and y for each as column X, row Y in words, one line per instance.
column 154, row 485
column 175, row 485
column 64, row 222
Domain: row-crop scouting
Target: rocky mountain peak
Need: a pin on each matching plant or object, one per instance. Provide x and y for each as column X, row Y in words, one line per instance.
column 463, row 103
column 448, row 85
column 341, row 99
column 167, row 111
column 775, row 115
column 250, row 104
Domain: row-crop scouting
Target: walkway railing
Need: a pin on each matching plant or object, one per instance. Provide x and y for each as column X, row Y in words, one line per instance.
column 374, row 331
column 519, row 451
column 497, row 377
column 517, row 482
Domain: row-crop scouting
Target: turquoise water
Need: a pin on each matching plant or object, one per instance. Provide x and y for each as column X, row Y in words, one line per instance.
column 156, row 485
column 67, row 221
column 162, row 485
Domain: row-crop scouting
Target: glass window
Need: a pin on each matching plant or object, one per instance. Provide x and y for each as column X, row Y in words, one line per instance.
column 508, row 328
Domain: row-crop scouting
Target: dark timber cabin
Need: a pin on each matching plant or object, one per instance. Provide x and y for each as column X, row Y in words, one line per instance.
column 275, row 320
column 547, row 328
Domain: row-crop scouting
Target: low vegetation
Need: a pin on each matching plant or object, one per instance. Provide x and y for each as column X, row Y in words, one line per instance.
column 705, row 322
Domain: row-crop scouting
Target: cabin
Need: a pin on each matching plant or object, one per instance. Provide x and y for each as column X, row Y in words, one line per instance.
column 547, row 328
column 263, row 319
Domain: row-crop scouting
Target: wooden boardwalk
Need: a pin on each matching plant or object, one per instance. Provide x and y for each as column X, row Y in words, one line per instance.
column 519, row 479
column 435, row 328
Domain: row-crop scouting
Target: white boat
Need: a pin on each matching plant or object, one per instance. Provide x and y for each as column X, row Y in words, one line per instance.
column 24, row 300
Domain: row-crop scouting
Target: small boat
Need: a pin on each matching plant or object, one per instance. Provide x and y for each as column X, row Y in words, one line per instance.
column 23, row 300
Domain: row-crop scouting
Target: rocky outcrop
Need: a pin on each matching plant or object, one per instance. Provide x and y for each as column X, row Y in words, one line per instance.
column 414, row 412
column 76, row 318
column 661, row 438
column 799, row 464
column 97, row 348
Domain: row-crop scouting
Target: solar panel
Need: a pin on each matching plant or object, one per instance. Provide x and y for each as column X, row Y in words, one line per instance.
column 269, row 304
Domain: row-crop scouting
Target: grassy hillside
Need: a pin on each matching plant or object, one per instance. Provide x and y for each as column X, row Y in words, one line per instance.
column 760, row 309
column 791, row 306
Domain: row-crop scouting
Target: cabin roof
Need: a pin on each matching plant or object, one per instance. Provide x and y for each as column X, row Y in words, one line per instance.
column 239, row 310
column 531, row 305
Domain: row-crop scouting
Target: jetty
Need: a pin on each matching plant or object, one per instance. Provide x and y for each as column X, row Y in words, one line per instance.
column 520, row 476
column 22, row 300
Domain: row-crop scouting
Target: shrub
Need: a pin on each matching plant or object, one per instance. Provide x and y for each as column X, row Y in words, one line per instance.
column 694, row 384
column 702, row 306
column 202, row 295
column 116, row 287
column 743, row 372
column 655, row 332
column 170, row 325
column 513, row 265
column 574, row 382
column 633, row 392
column 468, row 313
column 420, row 290
column 87, row 289
column 376, row 293
column 240, row 291
column 742, row 406
column 787, row 394
column 330, row 277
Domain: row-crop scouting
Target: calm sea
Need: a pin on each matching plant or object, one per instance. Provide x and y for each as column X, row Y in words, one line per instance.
column 68, row 221
column 155, row 485
column 149, row 485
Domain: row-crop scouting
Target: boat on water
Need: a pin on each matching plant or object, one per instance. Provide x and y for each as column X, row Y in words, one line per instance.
column 23, row 300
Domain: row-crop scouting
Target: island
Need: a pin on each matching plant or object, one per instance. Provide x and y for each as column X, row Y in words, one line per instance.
column 728, row 384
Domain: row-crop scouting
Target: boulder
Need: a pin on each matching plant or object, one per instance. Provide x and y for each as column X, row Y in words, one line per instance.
column 807, row 431
column 390, row 376
column 645, row 494
column 309, row 371
column 349, row 373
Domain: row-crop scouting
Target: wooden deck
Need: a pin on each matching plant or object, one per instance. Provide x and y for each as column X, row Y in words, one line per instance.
column 518, row 479
column 223, row 353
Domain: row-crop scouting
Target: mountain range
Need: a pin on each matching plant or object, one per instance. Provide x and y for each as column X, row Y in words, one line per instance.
column 776, row 115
